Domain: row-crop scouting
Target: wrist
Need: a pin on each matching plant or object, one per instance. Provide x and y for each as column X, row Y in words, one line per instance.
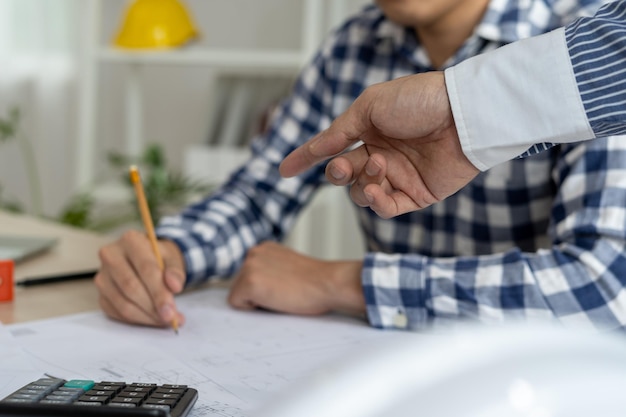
column 345, row 293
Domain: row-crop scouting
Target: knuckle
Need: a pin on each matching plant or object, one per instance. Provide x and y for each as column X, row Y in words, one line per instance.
column 130, row 236
column 105, row 254
column 148, row 268
column 248, row 279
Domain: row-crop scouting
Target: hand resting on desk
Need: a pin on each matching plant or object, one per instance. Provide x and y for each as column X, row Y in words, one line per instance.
column 273, row 277
column 277, row 278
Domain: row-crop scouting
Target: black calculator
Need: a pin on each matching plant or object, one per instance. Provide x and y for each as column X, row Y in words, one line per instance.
column 55, row 397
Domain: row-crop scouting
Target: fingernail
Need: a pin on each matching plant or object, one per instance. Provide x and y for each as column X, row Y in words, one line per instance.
column 336, row 173
column 368, row 197
column 371, row 168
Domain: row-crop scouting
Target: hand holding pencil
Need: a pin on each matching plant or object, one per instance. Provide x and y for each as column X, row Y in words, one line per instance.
column 140, row 275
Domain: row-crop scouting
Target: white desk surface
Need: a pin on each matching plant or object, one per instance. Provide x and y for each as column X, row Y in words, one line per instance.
column 75, row 251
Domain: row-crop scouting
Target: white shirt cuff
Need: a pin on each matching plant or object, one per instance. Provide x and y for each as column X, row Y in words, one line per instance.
column 519, row 95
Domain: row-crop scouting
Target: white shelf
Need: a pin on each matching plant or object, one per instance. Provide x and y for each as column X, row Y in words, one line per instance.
column 270, row 59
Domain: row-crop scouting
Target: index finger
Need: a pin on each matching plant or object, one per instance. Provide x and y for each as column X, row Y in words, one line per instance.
column 340, row 135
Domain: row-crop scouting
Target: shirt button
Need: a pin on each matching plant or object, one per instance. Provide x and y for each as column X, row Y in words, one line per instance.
column 400, row 320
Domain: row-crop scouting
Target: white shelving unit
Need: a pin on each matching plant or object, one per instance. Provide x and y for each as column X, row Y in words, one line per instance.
column 225, row 59
column 314, row 13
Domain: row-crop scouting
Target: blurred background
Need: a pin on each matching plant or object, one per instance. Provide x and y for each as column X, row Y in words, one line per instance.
column 76, row 106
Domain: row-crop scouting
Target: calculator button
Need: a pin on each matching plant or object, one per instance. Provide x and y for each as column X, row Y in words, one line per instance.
column 47, row 401
column 26, row 396
column 100, row 392
column 133, row 394
column 91, row 403
column 127, row 400
column 127, row 405
column 80, row 383
column 75, row 392
column 94, row 398
column 161, row 401
column 162, row 395
column 142, row 384
column 108, row 387
column 63, row 398
column 176, row 391
column 174, row 386
column 137, row 389
column 32, row 392
column 157, row 406
column 49, row 382
column 68, row 391
column 39, row 387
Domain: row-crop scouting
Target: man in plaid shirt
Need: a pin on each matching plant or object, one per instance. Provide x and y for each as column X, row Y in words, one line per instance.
column 540, row 237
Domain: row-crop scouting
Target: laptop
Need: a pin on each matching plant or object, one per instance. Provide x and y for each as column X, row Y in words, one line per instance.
column 19, row 248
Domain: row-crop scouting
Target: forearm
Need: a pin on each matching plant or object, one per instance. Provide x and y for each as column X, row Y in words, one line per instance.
column 215, row 234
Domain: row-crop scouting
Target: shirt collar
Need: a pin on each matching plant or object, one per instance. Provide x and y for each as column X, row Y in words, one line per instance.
column 512, row 20
column 504, row 21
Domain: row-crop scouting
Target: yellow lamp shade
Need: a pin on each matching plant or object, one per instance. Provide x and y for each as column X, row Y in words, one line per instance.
column 157, row 24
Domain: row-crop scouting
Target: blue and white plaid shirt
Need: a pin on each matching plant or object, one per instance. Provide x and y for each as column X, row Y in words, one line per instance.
column 536, row 237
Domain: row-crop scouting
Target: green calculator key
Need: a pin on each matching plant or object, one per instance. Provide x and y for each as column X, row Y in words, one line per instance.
column 84, row 384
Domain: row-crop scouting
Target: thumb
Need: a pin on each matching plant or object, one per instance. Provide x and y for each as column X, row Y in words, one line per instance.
column 174, row 269
column 340, row 135
column 174, row 279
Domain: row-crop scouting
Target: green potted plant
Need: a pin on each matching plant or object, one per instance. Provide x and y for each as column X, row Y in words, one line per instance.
column 166, row 190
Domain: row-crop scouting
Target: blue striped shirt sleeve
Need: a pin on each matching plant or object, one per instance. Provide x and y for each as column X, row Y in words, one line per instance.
column 597, row 48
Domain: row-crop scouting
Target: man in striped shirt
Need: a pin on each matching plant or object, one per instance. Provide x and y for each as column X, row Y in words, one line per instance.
column 565, row 86
column 539, row 237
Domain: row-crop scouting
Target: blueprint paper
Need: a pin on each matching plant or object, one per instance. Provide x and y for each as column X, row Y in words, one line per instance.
column 235, row 359
column 16, row 368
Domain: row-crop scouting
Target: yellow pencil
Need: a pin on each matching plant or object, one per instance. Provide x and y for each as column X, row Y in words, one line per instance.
column 135, row 178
